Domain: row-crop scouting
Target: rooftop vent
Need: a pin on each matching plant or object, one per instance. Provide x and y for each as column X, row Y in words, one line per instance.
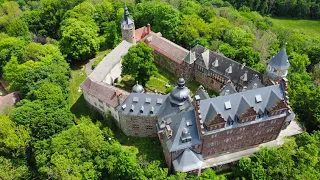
column 189, row 123
column 258, row 98
column 148, row 100
column 159, row 101
column 141, row 109
column 229, row 70
column 255, row 86
column 132, row 108
column 185, row 135
column 135, row 99
column 123, row 107
column 197, row 97
column 227, row 92
column 227, row 105
column 215, row 63
column 168, row 131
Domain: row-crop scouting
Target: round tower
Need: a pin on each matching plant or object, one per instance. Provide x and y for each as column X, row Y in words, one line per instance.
column 277, row 68
column 127, row 27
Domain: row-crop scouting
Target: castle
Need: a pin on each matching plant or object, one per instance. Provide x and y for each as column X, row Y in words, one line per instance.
column 196, row 132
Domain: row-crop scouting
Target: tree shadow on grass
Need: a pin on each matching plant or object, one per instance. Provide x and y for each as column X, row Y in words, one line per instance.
column 81, row 108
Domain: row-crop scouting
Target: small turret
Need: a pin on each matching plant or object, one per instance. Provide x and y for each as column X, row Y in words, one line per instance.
column 127, row 27
column 180, row 93
column 137, row 88
column 278, row 67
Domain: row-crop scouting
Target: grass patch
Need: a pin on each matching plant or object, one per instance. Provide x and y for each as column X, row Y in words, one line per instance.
column 78, row 75
column 309, row 27
column 158, row 82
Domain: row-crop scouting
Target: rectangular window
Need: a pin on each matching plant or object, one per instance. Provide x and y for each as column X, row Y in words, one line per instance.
column 134, row 126
column 213, row 135
column 229, row 132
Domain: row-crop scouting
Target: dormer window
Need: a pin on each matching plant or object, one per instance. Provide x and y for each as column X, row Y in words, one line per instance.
column 132, row 108
column 227, row 105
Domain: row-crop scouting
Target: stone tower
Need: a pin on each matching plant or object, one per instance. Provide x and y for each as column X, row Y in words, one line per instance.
column 127, row 27
column 277, row 68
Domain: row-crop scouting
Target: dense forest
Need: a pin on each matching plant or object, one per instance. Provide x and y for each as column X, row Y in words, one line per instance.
column 42, row 139
column 285, row 8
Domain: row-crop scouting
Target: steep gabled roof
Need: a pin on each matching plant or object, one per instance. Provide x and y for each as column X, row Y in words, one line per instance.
column 188, row 161
column 243, row 106
column 233, row 104
column 212, row 113
column 280, row 61
column 221, row 65
column 255, row 83
column 202, row 93
column 272, row 100
column 228, row 89
column 190, row 58
column 178, row 123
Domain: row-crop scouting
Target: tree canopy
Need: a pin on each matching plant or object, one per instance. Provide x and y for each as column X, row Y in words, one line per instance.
column 138, row 63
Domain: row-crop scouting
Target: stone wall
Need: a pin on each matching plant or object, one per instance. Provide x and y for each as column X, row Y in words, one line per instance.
column 241, row 138
column 214, row 83
column 177, row 69
column 141, row 126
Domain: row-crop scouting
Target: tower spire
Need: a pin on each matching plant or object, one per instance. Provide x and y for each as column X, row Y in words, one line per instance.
column 126, row 13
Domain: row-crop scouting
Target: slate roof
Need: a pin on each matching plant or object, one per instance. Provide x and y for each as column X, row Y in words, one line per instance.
column 108, row 62
column 280, row 61
column 224, row 66
column 126, row 22
column 202, row 93
column 269, row 96
column 104, row 92
column 9, row 100
column 177, row 125
column 255, row 83
column 190, row 58
column 188, row 161
column 144, row 102
column 228, row 89
column 166, row 47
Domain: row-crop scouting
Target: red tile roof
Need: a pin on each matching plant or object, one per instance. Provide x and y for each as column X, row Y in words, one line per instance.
column 166, row 47
column 141, row 33
column 9, row 100
column 105, row 93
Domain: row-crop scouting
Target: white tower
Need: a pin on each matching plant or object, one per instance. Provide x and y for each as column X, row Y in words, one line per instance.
column 127, row 27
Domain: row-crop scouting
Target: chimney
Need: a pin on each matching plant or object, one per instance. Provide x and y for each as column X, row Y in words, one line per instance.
column 118, row 94
column 148, row 28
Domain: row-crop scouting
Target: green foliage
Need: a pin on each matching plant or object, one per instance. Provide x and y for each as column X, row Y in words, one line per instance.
column 297, row 159
column 14, row 139
column 163, row 17
column 17, row 28
column 8, row 11
column 10, row 46
column 11, row 170
column 79, row 39
column 139, row 63
column 43, row 121
column 238, row 37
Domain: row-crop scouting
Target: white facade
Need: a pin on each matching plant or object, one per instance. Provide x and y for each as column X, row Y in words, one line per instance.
column 100, row 105
column 113, row 74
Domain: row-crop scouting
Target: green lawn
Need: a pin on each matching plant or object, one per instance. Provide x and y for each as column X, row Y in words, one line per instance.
column 158, row 82
column 310, row 27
